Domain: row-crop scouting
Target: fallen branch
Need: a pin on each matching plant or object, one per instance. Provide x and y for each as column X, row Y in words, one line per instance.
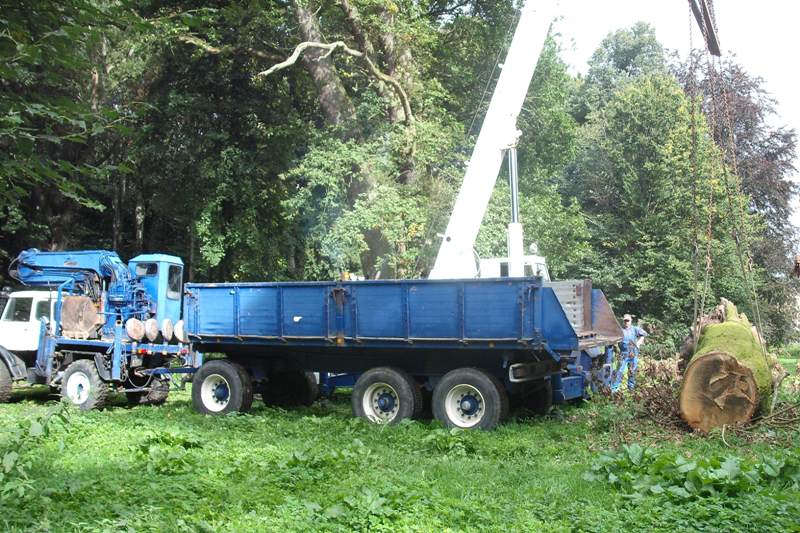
column 329, row 48
column 776, row 387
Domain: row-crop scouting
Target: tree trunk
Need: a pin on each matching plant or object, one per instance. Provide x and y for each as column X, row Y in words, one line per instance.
column 353, row 17
column 728, row 375
column 398, row 65
column 333, row 99
column 139, row 215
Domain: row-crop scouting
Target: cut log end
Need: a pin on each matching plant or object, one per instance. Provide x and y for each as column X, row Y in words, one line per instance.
column 151, row 329
column 135, row 329
column 717, row 390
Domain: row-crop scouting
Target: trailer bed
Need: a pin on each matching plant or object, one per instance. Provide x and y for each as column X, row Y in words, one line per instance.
column 485, row 314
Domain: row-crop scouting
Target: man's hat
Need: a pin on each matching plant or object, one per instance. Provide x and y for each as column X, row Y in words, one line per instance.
column 627, row 317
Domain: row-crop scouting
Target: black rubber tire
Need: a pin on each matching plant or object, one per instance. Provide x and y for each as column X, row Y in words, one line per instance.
column 157, row 395
column 495, row 397
column 98, row 389
column 5, row 383
column 240, row 387
column 290, row 388
column 409, row 396
column 249, row 389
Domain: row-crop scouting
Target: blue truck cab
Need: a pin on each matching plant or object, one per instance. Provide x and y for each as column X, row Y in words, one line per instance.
column 162, row 278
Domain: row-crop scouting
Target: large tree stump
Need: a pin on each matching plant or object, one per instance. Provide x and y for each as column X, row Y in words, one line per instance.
column 727, row 376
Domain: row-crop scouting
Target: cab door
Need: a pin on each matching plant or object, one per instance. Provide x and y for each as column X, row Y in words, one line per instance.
column 19, row 330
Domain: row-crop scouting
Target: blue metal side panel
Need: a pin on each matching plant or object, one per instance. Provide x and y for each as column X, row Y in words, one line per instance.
column 379, row 310
column 492, row 311
column 218, row 314
column 258, row 311
column 303, row 310
column 555, row 325
column 452, row 313
column 434, row 311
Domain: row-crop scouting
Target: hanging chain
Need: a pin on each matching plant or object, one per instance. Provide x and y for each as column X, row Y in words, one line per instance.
column 691, row 89
column 699, row 294
column 722, row 115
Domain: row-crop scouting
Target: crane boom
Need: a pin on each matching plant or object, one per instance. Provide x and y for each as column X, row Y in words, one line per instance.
column 498, row 133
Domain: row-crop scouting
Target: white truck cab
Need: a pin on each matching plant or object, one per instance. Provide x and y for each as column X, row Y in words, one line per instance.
column 20, row 322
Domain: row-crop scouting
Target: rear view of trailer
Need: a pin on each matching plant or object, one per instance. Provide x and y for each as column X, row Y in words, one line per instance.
column 406, row 338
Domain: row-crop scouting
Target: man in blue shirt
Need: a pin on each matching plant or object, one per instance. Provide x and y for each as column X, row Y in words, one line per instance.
column 632, row 339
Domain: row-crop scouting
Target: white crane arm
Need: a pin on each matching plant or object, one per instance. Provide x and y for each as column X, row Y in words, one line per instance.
column 498, row 132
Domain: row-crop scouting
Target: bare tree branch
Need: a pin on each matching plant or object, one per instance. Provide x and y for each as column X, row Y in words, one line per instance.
column 330, row 48
column 227, row 49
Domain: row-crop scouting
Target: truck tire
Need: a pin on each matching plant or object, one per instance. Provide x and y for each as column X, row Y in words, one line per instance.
column 470, row 398
column 290, row 388
column 386, row 395
column 83, row 387
column 5, row 383
column 157, row 395
column 221, row 386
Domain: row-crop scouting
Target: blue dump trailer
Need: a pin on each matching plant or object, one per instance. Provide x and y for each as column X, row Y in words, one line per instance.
column 461, row 350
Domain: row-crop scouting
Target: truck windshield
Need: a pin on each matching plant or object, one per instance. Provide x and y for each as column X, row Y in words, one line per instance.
column 146, row 269
column 174, row 282
column 18, row 310
column 42, row 310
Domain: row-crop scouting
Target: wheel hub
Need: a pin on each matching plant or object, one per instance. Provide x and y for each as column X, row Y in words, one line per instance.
column 381, row 402
column 385, row 402
column 221, row 392
column 465, row 405
column 78, row 388
column 215, row 392
column 469, row 404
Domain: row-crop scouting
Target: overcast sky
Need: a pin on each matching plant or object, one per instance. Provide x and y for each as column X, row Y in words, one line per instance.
column 764, row 36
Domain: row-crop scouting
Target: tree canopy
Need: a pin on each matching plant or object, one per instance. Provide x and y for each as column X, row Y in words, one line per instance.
column 162, row 126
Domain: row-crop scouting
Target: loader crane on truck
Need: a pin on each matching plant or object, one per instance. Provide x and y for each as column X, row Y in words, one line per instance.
column 102, row 326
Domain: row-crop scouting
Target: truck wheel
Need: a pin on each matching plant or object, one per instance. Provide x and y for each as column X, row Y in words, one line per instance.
column 470, row 398
column 83, row 387
column 221, row 386
column 5, row 383
column 386, row 396
column 290, row 388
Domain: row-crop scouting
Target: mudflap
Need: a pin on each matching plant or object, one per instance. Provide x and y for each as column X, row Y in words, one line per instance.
column 15, row 365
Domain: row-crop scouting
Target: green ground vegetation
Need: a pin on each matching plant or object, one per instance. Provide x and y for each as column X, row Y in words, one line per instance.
column 170, row 469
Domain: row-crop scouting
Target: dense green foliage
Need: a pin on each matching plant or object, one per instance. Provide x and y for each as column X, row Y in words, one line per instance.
column 150, row 125
column 639, row 471
column 316, row 469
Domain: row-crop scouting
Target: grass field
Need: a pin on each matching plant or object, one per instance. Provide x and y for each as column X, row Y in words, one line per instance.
column 170, row 469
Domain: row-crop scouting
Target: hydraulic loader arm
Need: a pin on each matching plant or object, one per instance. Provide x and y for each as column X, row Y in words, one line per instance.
column 498, row 133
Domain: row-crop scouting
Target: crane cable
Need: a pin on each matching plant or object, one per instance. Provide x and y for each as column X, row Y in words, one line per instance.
column 727, row 144
column 734, row 192
column 699, row 295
